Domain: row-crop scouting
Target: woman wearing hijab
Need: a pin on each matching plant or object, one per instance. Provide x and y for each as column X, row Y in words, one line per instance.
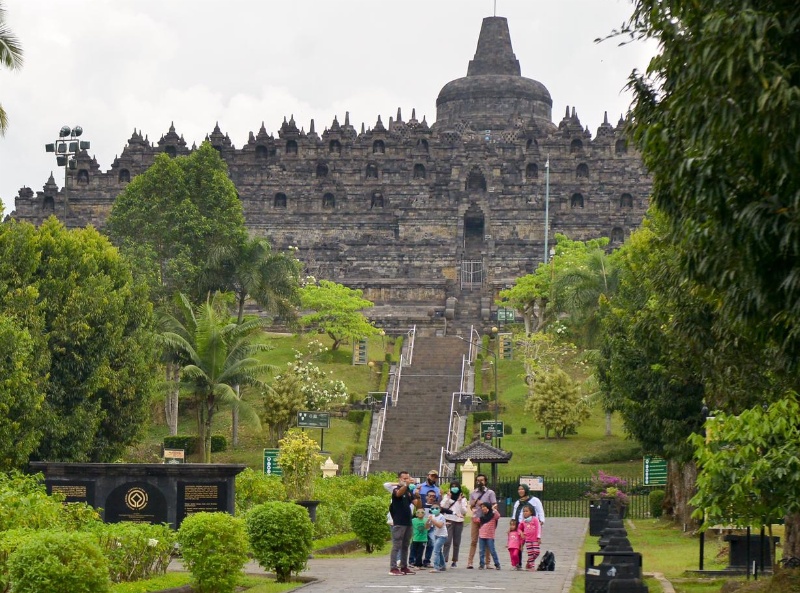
column 454, row 505
column 525, row 497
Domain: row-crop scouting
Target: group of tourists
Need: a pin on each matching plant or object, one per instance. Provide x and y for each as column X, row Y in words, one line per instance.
column 427, row 525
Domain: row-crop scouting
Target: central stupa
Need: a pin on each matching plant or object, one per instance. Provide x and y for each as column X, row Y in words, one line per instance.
column 494, row 95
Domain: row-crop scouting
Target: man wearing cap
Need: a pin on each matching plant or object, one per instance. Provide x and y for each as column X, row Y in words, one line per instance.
column 430, row 485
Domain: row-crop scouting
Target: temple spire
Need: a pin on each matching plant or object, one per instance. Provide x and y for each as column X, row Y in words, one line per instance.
column 494, row 54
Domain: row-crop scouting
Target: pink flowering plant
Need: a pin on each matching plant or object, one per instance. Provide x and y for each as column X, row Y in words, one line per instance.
column 606, row 486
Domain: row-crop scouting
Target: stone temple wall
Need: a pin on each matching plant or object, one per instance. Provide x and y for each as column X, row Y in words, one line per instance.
column 395, row 209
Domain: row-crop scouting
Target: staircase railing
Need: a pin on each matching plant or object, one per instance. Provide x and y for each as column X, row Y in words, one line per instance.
column 374, row 451
column 411, row 335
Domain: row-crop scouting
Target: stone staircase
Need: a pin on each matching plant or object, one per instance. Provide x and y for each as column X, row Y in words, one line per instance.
column 416, row 428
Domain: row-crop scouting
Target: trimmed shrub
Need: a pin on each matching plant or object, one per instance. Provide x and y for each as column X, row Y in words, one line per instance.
column 368, row 519
column 356, row 416
column 214, row 549
column 523, row 430
column 181, row 441
column 255, row 487
column 281, row 537
column 508, row 429
column 135, row 551
column 624, row 451
column 59, row 562
column 656, row 500
column 478, row 417
column 218, row 443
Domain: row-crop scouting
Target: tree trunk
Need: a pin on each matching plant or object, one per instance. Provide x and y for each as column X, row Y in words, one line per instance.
column 201, row 430
column 173, row 373
column 681, row 485
column 791, row 544
column 207, row 436
column 608, row 424
column 235, row 419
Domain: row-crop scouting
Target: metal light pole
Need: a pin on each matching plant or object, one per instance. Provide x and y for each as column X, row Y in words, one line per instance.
column 546, row 205
column 67, row 147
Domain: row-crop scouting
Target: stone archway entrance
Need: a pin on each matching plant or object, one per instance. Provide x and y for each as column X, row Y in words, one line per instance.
column 474, row 231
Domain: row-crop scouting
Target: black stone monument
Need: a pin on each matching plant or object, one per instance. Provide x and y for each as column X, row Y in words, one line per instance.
column 146, row 492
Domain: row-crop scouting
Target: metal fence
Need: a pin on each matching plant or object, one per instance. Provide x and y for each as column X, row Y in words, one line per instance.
column 566, row 497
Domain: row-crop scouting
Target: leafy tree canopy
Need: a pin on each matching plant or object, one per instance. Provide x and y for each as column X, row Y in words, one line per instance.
column 717, row 117
column 171, row 217
column 85, row 329
column 336, row 310
column 10, row 57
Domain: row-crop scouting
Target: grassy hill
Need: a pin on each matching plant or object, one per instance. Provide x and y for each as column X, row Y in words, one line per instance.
column 575, row 456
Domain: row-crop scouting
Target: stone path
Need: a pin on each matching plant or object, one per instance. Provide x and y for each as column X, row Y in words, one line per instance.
column 563, row 537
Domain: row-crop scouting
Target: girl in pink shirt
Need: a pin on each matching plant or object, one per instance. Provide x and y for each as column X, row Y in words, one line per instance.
column 514, row 544
column 531, row 531
column 486, row 532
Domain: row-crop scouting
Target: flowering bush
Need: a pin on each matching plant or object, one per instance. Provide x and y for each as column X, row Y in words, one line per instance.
column 320, row 391
column 606, row 486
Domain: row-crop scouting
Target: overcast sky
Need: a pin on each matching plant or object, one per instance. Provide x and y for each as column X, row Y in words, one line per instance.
column 114, row 65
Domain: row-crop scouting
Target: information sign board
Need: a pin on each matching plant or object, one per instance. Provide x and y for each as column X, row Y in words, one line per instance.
column 655, row 471
column 313, row 420
column 491, row 429
column 271, row 467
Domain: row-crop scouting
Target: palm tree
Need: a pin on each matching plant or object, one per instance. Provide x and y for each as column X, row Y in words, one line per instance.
column 10, row 57
column 219, row 355
column 252, row 270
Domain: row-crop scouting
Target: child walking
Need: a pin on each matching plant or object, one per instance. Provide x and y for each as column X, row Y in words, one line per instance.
column 531, row 531
column 486, row 532
column 514, row 544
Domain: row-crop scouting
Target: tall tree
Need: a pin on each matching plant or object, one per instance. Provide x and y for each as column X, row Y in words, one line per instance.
column 91, row 333
column 219, row 354
column 336, row 310
column 717, row 117
column 10, row 57
column 171, row 217
column 251, row 270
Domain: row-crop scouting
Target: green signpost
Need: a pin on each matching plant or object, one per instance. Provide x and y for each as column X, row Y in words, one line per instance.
column 655, row 471
column 491, row 429
column 271, row 467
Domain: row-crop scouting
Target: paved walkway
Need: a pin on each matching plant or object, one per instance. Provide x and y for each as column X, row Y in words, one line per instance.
column 563, row 537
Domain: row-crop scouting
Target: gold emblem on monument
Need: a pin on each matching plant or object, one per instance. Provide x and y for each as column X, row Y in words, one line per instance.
column 136, row 499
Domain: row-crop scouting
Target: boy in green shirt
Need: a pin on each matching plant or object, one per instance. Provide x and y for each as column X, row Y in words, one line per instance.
column 419, row 537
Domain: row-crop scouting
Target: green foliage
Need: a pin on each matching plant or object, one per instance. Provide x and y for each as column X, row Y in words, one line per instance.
column 384, row 382
column 356, row 416
column 218, row 443
column 398, row 347
column 337, row 311
column 255, row 487
column 219, row 354
column 135, row 551
column 10, row 57
column 336, row 495
column 523, row 430
column 368, row 519
column 10, row 540
column 478, row 417
column 181, row 441
column 24, row 503
column 508, row 429
column 556, row 402
column 171, row 217
column 716, row 116
column 21, row 395
column 656, row 500
column 59, row 562
column 86, row 330
column 214, row 549
column 299, row 458
column 280, row 536
column 750, row 470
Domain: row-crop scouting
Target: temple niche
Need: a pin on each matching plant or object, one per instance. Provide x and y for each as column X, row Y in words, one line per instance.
column 414, row 214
